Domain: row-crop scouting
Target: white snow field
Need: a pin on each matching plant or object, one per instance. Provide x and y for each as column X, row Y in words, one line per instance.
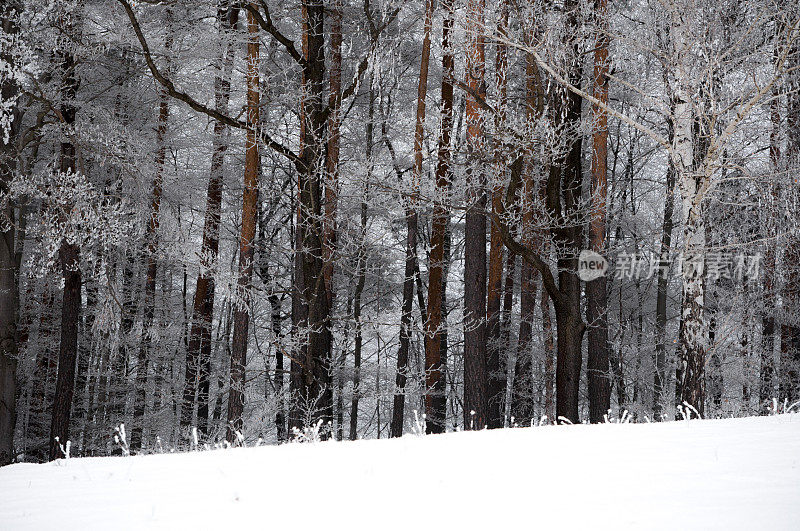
column 711, row 474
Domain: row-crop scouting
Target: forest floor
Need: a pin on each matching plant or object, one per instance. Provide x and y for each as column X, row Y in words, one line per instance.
column 700, row 474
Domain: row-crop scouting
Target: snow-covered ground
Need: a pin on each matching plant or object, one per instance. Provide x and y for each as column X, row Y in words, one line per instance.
column 715, row 474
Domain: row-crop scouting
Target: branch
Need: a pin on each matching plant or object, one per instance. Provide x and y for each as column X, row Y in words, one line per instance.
column 524, row 251
column 266, row 24
column 364, row 63
column 585, row 95
column 199, row 107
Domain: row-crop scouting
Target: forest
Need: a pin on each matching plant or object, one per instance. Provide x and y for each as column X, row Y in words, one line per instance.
column 235, row 221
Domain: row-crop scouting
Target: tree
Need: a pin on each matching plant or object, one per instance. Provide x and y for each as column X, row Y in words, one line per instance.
column 9, row 265
column 596, row 296
column 475, row 368
column 241, row 315
column 435, row 399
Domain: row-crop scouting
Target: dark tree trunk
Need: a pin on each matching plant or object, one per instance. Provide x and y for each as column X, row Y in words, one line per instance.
column 569, row 238
column 789, row 383
column 357, row 320
column 9, row 265
column 549, row 357
column 312, row 379
column 767, row 366
column 661, row 299
column 68, row 351
column 522, row 399
column 69, row 257
column 476, row 413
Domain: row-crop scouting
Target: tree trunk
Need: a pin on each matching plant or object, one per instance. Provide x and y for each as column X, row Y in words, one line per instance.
column 596, row 295
column 435, row 342
column 476, row 414
column 565, row 182
column 361, row 273
column 313, row 379
column 522, row 403
column 549, row 357
column 398, row 410
column 9, row 268
column 332, row 155
column 241, row 304
column 661, row 298
column 69, row 257
column 496, row 376
column 198, row 355
column 789, row 383
column 690, row 381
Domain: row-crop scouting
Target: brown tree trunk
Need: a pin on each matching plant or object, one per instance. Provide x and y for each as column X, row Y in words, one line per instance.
column 241, row 315
column 398, row 410
column 9, row 268
column 476, row 414
column 198, row 354
column 332, row 155
column 435, row 342
column 596, row 295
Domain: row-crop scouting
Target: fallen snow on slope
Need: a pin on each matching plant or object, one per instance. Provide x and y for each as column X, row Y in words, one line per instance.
column 715, row 474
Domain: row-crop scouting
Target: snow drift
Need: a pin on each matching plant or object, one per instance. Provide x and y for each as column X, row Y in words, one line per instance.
column 713, row 474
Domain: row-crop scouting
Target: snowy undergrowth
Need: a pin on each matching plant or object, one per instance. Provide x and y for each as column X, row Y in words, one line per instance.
column 697, row 474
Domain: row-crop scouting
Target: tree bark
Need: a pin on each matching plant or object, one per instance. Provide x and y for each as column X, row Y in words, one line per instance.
column 332, row 155
column 789, row 383
column 69, row 257
column 690, row 380
column 476, row 414
column 241, row 314
column 9, row 268
column 661, row 298
column 596, row 295
column 313, row 379
column 435, row 339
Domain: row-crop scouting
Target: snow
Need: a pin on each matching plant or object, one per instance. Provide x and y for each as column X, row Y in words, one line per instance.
column 710, row 474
